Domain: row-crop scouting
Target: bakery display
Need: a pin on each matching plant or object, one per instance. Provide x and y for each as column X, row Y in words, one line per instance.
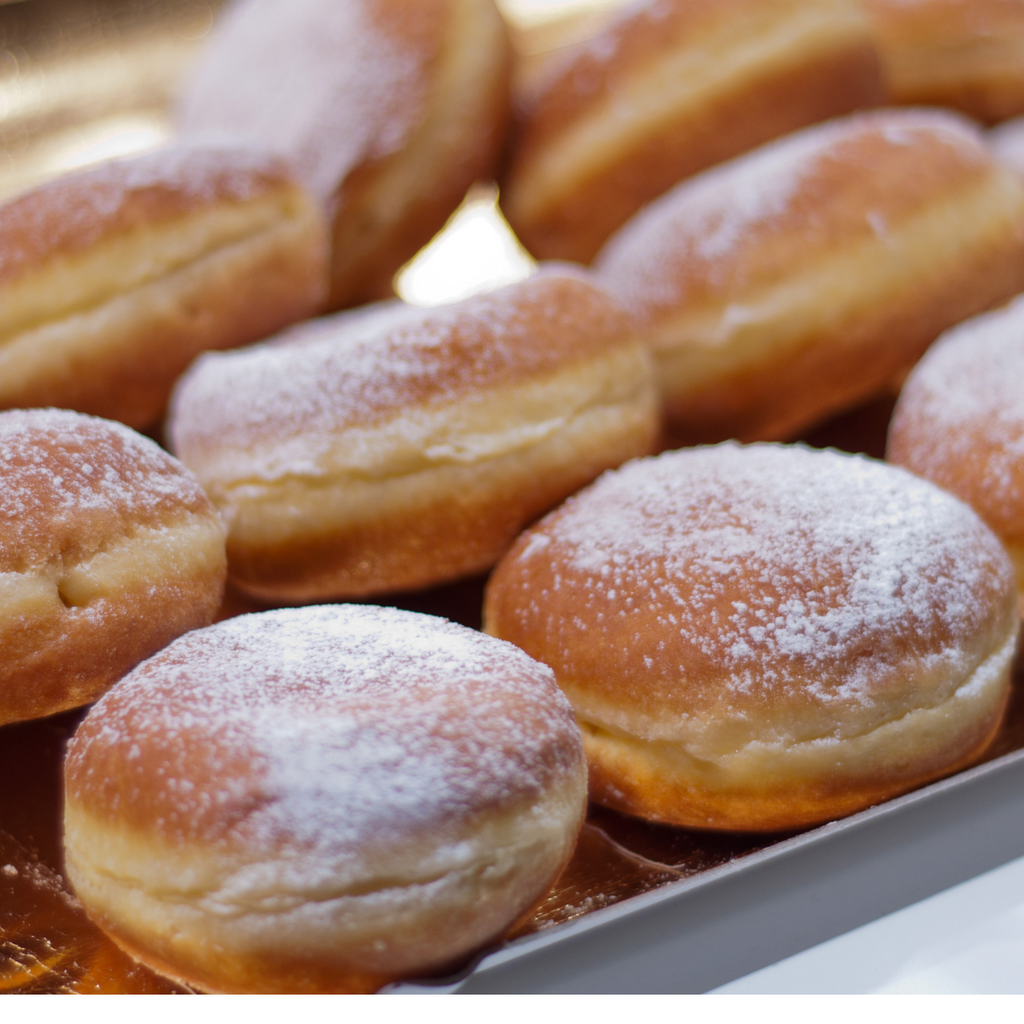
column 322, row 799
column 399, row 81
column 411, row 451
column 108, row 551
column 387, row 110
column 959, row 422
column 965, row 54
column 669, row 88
column 112, row 279
column 800, row 279
column 765, row 637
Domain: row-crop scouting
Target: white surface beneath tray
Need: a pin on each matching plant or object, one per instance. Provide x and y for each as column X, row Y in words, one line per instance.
column 968, row 939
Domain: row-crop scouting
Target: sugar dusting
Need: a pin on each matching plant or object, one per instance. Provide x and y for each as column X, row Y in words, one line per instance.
column 964, row 405
column 708, row 218
column 63, row 471
column 779, row 569
column 335, row 730
column 707, row 232
column 315, row 81
column 315, row 381
column 77, row 210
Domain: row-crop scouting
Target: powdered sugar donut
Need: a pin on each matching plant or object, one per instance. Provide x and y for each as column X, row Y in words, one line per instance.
column 387, row 110
column 408, row 447
column 959, row 421
column 114, row 278
column 109, row 549
column 322, row 799
column 765, row 637
column 801, row 278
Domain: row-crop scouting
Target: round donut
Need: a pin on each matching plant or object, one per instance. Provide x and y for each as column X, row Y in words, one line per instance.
column 113, row 279
column 800, row 279
column 765, row 637
column 965, row 54
column 959, row 422
column 669, row 88
column 322, row 800
column 387, row 110
column 109, row 549
column 407, row 447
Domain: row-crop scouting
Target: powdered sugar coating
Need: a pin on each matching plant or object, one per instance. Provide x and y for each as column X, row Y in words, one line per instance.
column 327, row 84
column 75, row 212
column 336, row 731
column 960, row 417
column 70, row 480
column 367, row 371
column 756, row 218
column 762, row 585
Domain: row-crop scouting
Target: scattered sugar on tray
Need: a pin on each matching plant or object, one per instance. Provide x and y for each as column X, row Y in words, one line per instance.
column 365, row 724
column 788, row 558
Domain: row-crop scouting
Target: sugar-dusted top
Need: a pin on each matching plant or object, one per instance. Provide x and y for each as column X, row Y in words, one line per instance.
column 327, row 84
column 70, row 214
column 372, row 369
column 72, row 483
column 960, row 417
column 341, row 731
column 764, row 215
column 765, row 590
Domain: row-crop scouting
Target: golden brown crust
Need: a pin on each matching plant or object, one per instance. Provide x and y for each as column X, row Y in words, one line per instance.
column 108, row 550
column 112, row 280
column 388, row 111
column 966, row 54
column 763, row 638
column 959, row 421
column 322, row 799
column 411, row 450
column 796, row 280
column 622, row 122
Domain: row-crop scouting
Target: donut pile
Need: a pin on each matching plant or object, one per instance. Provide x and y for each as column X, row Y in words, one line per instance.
column 741, row 633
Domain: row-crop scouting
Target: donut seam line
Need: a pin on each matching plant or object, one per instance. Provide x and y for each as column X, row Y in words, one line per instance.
column 989, row 669
column 525, row 439
column 170, row 274
column 56, row 571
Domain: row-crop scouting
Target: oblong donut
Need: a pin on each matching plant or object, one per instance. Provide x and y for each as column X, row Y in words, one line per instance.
column 965, row 54
column 352, row 461
column 113, row 279
column 322, row 799
column 763, row 638
column 801, row 278
column 959, row 422
column 668, row 89
column 387, row 110
column 109, row 549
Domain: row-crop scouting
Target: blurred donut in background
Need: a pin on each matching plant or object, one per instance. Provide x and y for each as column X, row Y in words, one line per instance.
column 965, row 54
column 387, row 110
column 669, row 88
